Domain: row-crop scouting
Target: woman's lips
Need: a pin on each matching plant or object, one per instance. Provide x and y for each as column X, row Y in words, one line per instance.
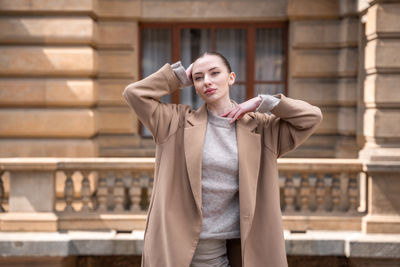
column 210, row 91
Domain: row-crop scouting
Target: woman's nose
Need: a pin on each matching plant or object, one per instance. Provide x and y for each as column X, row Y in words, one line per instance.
column 207, row 79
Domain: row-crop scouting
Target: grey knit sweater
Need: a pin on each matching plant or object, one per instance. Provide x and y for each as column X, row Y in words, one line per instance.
column 220, row 164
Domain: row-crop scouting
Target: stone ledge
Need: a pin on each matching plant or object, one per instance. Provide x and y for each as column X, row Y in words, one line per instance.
column 309, row 9
column 343, row 243
column 311, row 243
column 382, row 56
column 48, row 92
column 383, row 18
column 325, row 92
column 80, row 61
column 64, row 6
column 39, row 122
column 49, row 147
column 116, row 120
column 28, row 221
column 217, row 11
column 70, row 243
column 324, row 33
column 53, row 30
column 324, row 63
column 319, row 222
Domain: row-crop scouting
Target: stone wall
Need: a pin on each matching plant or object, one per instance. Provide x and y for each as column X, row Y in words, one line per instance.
column 323, row 56
column 64, row 64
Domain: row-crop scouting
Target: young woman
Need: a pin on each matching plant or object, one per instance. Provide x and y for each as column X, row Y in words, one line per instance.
column 215, row 199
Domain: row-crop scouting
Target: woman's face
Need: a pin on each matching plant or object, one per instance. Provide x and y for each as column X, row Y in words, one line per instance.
column 211, row 78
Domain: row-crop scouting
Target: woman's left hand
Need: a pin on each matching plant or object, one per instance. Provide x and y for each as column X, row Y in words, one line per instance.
column 240, row 110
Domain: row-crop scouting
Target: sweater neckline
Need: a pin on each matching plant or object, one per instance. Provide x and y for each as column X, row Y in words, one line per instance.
column 219, row 121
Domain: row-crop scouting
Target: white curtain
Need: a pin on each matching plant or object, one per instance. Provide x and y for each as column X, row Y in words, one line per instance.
column 269, row 60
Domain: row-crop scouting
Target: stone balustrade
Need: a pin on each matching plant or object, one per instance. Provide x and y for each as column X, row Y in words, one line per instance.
column 50, row 194
column 320, row 186
column 322, row 194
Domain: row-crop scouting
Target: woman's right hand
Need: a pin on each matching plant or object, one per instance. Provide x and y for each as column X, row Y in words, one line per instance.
column 189, row 72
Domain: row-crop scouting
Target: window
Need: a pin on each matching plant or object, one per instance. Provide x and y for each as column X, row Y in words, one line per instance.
column 256, row 52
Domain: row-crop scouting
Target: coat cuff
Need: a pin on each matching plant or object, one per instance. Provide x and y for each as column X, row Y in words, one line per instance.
column 180, row 73
column 268, row 103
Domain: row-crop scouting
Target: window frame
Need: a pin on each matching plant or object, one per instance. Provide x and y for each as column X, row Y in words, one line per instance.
column 250, row 29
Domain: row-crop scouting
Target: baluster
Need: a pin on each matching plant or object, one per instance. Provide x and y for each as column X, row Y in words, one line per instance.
column 328, row 192
column 2, row 192
column 312, row 179
column 69, row 191
column 320, row 192
column 85, row 191
column 118, row 193
column 290, row 193
column 102, row 192
column 135, row 192
column 353, row 193
column 304, row 193
column 336, row 192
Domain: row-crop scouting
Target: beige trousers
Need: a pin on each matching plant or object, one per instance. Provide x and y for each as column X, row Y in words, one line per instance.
column 210, row 253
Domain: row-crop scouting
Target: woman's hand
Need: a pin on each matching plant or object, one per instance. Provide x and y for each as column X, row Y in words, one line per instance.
column 189, row 72
column 240, row 110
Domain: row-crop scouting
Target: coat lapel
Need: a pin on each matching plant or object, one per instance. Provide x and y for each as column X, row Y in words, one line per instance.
column 195, row 130
column 249, row 147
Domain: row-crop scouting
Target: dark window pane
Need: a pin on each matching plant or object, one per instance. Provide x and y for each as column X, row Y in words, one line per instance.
column 269, row 56
column 156, row 51
column 238, row 93
column 268, row 89
column 193, row 43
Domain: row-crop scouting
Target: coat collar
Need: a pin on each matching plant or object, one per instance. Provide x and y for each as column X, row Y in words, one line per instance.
column 249, row 150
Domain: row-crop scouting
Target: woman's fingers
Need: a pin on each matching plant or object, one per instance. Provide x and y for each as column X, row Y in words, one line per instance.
column 230, row 113
column 226, row 113
column 240, row 113
column 240, row 110
column 235, row 113
column 189, row 72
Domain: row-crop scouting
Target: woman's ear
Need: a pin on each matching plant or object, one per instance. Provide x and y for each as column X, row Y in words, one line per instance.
column 232, row 77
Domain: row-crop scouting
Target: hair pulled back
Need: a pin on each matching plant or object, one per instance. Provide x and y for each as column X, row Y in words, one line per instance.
column 214, row 53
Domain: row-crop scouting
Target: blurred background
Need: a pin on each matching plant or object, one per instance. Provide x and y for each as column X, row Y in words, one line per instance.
column 76, row 165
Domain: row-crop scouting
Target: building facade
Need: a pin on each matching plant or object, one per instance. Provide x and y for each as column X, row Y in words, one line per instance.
column 66, row 132
column 65, row 63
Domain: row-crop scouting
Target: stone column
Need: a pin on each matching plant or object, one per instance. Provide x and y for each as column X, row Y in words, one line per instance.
column 380, row 114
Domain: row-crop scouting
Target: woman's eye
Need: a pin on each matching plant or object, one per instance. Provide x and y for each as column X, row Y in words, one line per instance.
column 197, row 78
column 214, row 72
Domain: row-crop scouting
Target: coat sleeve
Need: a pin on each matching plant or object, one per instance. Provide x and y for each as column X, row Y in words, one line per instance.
column 144, row 97
column 291, row 123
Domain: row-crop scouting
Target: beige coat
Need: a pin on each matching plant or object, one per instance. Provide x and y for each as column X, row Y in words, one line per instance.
column 175, row 213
